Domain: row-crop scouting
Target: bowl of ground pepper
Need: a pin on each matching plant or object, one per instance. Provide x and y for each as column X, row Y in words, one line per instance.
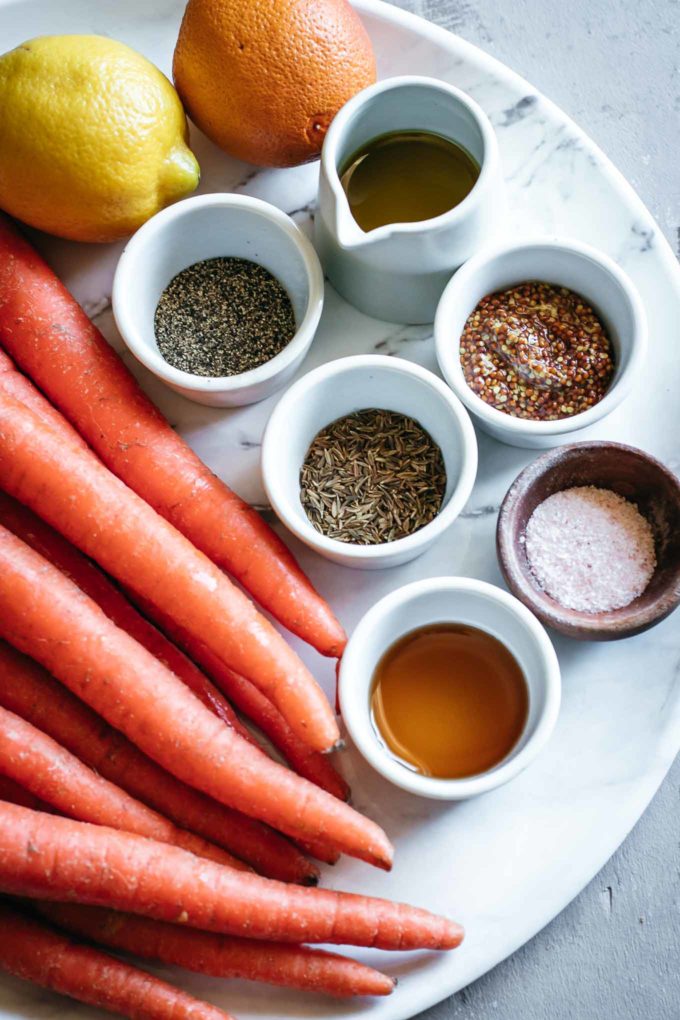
column 540, row 339
column 368, row 460
column 220, row 297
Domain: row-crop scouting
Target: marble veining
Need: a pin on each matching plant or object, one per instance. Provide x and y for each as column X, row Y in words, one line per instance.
column 488, row 510
column 506, row 863
column 518, row 111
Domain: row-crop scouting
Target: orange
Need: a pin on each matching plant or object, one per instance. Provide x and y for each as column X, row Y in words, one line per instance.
column 264, row 78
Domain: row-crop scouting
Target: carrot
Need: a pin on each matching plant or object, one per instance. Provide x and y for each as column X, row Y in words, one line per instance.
column 45, row 540
column 20, row 388
column 223, row 956
column 137, row 694
column 28, row 691
column 40, row 536
column 71, row 490
column 318, row 849
column 46, row 857
column 317, row 768
column 284, row 863
column 45, row 769
column 36, row 953
column 13, row 793
column 311, row 765
column 52, row 340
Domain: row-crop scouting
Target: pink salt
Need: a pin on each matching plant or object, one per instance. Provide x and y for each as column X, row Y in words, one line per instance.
column 590, row 549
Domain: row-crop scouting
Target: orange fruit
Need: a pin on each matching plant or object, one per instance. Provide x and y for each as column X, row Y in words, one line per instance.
column 264, row 78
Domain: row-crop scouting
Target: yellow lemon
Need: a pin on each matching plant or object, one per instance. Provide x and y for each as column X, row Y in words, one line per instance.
column 93, row 138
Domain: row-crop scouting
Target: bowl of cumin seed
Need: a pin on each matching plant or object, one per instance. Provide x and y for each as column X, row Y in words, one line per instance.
column 368, row 460
column 220, row 297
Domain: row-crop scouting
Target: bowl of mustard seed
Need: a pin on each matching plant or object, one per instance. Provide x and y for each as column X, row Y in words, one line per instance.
column 368, row 460
column 220, row 297
column 540, row 339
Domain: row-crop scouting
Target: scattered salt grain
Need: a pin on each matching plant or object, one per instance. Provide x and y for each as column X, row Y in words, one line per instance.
column 590, row 549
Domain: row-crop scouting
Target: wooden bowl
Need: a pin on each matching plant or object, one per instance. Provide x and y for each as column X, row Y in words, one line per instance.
column 633, row 474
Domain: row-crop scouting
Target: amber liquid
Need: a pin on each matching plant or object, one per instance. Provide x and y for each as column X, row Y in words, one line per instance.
column 449, row 700
column 406, row 176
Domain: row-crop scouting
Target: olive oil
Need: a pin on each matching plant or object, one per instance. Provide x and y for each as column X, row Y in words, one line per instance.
column 405, row 177
column 449, row 700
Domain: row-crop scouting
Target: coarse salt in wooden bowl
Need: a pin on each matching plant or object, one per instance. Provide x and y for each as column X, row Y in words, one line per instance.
column 637, row 477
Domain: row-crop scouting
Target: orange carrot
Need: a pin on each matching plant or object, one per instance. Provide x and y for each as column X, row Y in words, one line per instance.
column 13, row 793
column 45, row 540
column 36, row 953
column 57, row 550
column 45, row 769
column 224, row 956
column 71, row 490
column 137, row 694
column 52, row 340
column 20, row 388
column 40, row 536
column 28, row 691
column 312, row 765
column 317, row 768
column 46, row 857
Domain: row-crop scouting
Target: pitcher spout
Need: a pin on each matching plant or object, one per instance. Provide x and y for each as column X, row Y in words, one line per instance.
column 348, row 233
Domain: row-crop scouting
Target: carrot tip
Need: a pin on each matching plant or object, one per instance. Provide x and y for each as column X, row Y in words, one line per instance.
column 339, row 745
column 310, row 880
column 335, row 650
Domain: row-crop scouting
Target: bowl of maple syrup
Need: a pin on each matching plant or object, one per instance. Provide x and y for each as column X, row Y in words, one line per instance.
column 449, row 687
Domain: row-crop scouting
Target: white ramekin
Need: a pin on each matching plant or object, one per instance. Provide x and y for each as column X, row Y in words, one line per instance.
column 204, row 227
column 566, row 263
column 353, row 384
column 450, row 600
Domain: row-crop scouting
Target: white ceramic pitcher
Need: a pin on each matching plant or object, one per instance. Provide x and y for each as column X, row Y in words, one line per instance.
column 398, row 271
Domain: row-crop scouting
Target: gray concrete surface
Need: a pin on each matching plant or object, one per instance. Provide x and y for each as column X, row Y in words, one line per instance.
column 614, row 65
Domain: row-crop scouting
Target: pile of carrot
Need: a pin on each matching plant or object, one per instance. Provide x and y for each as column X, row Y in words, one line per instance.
column 52, row 340
column 225, row 956
column 138, row 811
column 53, row 960
column 30, row 692
column 156, row 711
column 316, row 767
column 72, row 490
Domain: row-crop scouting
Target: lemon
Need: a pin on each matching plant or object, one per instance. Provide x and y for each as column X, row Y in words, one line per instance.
column 93, row 138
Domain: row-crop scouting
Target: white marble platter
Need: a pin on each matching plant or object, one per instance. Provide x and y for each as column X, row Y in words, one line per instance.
column 505, row 864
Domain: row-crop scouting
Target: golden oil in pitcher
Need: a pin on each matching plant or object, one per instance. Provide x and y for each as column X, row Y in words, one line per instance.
column 406, row 177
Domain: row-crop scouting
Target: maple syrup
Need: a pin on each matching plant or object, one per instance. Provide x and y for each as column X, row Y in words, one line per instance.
column 449, row 700
column 405, row 177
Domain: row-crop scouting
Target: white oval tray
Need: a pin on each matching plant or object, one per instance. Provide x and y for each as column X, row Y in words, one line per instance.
column 506, row 863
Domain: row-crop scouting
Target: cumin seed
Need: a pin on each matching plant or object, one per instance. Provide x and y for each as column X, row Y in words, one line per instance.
column 372, row 477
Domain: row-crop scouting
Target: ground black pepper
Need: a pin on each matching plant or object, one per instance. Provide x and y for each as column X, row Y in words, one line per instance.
column 537, row 351
column 223, row 316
